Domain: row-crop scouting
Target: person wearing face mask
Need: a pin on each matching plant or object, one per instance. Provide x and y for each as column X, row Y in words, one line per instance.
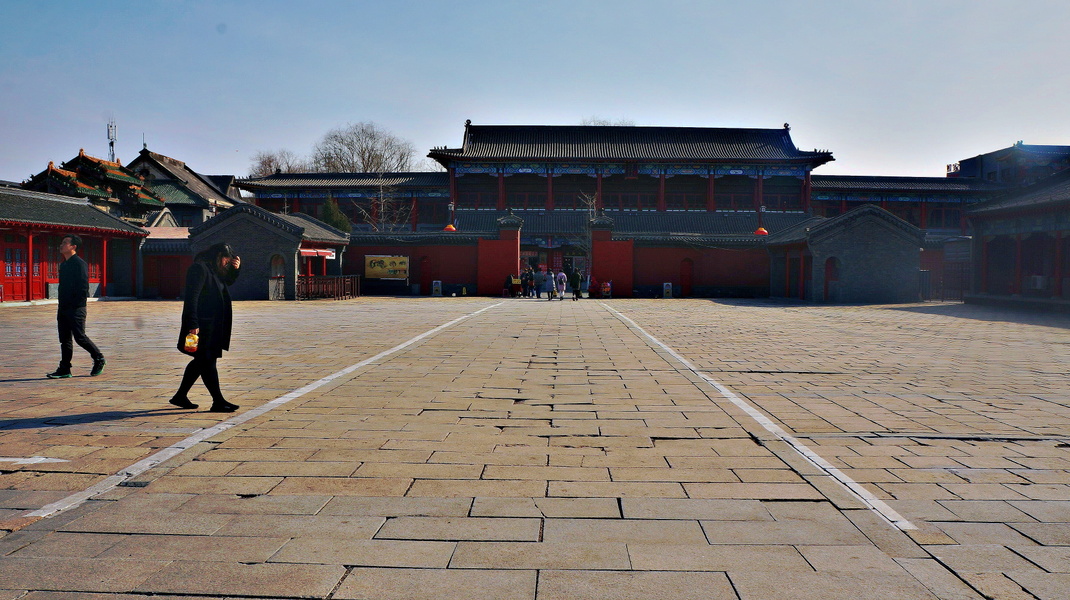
column 207, row 314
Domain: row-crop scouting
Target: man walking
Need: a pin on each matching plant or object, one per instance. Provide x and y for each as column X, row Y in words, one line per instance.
column 73, row 291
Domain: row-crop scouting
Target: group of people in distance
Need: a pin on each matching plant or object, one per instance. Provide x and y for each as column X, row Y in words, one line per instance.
column 531, row 284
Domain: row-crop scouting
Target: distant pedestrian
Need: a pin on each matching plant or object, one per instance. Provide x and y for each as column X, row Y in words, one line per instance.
column 540, row 283
column 574, row 281
column 70, row 318
column 550, row 284
column 561, row 279
column 207, row 314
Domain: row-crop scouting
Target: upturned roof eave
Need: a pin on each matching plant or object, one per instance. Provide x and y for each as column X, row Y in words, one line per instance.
column 815, row 160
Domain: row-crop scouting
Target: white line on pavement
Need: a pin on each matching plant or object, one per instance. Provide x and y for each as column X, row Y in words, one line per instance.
column 33, row 460
column 147, row 463
column 874, row 503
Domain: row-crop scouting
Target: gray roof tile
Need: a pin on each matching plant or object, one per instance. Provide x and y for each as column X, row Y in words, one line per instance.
column 582, row 142
column 24, row 206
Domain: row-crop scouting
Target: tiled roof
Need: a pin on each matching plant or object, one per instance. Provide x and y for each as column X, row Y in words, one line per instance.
column 296, row 224
column 438, row 238
column 583, row 142
column 1054, row 190
column 24, row 206
column 814, row 226
column 894, row 184
column 159, row 233
column 197, row 185
column 316, row 230
column 345, row 180
column 166, row 246
column 146, row 197
column 173, row 192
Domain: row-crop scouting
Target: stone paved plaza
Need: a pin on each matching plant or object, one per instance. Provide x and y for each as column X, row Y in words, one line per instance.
column 479, row 448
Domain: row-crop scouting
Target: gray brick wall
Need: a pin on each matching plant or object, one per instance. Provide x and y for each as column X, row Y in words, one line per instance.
column 255, row 242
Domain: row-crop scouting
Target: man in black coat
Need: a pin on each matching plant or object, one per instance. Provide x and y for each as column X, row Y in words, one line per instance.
column 73, row 291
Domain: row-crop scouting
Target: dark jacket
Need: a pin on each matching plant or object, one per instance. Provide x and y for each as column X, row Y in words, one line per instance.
column 207, row 307
column 73, row 283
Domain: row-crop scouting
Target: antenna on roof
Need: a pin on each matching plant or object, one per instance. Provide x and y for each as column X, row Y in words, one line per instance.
column 111, row 140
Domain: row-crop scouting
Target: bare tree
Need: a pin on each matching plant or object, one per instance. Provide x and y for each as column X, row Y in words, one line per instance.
column 362, row 148
column 602, row 121
column 390, row 211
column 266, row 162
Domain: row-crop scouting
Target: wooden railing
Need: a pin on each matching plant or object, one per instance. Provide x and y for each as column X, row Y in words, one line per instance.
column 341, row 287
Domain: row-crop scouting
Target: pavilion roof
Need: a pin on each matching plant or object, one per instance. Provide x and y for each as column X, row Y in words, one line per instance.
column 620, row 143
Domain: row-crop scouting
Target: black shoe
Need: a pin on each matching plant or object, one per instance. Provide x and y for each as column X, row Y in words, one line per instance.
column 60, row 373
column 182, row 402
column 98, row 367
column 223, row 406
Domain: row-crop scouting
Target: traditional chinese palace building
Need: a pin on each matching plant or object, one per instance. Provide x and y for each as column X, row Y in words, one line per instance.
column 677, row 205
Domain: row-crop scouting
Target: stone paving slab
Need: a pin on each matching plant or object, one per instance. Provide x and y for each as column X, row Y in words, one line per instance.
column 545, row 450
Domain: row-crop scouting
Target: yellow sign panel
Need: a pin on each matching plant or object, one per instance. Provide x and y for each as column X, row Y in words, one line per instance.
column 377, row 266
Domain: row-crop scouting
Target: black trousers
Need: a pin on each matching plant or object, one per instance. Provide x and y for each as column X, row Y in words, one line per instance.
column 72, row 329
column 204, row 367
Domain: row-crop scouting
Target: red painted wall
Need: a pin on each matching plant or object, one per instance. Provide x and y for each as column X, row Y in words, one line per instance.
column 613, row 261
column 712, row 267
column 448, row 264
column 497, row 258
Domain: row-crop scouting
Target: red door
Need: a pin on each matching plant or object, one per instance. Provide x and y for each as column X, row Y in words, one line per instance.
column 13, row 275
column 39, row 268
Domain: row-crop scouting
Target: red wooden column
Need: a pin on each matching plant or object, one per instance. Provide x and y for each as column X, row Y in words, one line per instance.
column 1016, row 288
column 711, row 204
column 414, row 209
column 1057, row 282
column 104, row 268
column 802, row 273
column 453, row 190
column 924, row 215
column 758, row 191
column 549, row 190
column 29, row 265
column 806, row 192
column 598, row 192
column 501, row 191
column 661, row 193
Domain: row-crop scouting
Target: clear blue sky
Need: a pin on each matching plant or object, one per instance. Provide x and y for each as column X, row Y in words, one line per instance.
column 891, row 88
